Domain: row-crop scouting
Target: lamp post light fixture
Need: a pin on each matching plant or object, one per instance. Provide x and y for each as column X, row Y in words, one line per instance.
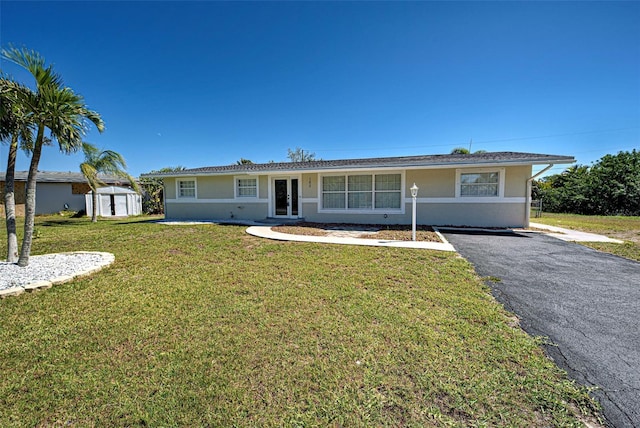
column 414, row 195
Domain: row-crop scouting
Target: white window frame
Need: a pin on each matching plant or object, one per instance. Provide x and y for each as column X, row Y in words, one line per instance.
column 373, row 209
column 369, row 193
column 236, row 185
column 401, row 190
column 321, row 193
column 195, row 187
column 501, row 180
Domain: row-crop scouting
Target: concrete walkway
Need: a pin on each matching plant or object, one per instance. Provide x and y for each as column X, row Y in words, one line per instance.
column 573, row 235
column 171, row 222
column 266, row 232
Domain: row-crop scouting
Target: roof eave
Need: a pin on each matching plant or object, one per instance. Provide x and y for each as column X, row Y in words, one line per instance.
column 388, row 166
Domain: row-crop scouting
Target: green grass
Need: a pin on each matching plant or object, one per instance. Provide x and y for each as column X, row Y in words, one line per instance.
column 626, row 228
column 205, row 325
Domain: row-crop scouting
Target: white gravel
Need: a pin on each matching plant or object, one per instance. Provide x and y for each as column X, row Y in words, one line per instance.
column 50, row 267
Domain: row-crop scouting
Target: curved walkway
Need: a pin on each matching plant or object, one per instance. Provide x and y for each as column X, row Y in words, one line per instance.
column 266, row 232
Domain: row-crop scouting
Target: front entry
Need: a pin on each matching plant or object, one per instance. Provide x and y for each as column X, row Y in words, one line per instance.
column 285, row 193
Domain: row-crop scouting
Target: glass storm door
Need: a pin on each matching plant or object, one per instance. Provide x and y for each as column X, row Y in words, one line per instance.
column 286, row 197
column 282, row 198
column 294, row 197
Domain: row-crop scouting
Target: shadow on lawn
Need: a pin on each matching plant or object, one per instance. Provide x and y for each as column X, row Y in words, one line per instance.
column 59, row 223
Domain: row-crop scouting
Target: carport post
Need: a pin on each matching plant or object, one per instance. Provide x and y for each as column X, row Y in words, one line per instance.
column 527, row 208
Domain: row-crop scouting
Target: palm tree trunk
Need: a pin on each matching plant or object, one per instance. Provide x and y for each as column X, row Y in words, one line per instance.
column 30, row 203
column 10, row 202
column 94, row 210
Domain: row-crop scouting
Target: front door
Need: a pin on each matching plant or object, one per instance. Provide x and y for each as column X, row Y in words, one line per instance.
column 285, row 197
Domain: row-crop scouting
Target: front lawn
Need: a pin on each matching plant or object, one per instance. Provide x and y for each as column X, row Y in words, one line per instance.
column 626, row 228
column 204, row 325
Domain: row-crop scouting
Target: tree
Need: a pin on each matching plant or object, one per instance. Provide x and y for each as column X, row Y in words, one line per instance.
column 244, row 161
column 614, row 183
column 153, row 191
column 299, row 155
column 15, row 128
column 567, row 191
column 102, row 162
column 460, row 151
column 610, row 186
column 54, row 108
column 465, row 151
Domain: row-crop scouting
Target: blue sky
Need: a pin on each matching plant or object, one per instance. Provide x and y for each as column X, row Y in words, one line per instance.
column 206, row 83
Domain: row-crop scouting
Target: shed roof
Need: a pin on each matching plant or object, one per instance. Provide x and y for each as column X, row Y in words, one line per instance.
column 114, row 190
column 426, row 161
column 64, row 177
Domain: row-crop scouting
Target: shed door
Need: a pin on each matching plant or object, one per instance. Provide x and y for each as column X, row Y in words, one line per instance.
column 105, row 205
column 121, row 205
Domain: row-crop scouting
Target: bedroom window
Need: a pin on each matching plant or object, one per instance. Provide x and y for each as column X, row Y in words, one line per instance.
column 333, row 189
column 362, row 192
column 388, row 191
column 186, row 188
column 480, row 184
column 247, row 188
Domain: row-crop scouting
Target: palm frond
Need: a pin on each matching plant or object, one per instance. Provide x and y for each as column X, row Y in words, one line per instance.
column 95, row 118
column 91, row 152
column 104, row 162
column 15, row 112
column 33, row 62
column 54, row 106
column 91, row 175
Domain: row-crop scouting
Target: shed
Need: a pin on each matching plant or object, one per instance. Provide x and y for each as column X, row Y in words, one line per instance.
column 56, row 190
column 115, row 201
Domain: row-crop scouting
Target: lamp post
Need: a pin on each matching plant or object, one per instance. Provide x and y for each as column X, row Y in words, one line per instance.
column 414, row 194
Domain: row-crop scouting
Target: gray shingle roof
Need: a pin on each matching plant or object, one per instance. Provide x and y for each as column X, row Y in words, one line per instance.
column 387, row 162
column 63, row 177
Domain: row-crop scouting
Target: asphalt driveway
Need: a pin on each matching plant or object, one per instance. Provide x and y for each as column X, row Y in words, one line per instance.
column 586, row 302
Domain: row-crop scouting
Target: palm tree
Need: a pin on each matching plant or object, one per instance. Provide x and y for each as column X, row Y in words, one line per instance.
column 14, row 128
column 57, row 109
column 105, row 162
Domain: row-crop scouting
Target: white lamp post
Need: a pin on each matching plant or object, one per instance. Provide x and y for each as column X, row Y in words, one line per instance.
column 414, row 194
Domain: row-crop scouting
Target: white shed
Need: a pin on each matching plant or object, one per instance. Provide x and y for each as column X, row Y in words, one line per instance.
column 115, row 201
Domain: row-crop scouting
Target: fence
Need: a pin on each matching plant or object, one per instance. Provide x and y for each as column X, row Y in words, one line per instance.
column 536, row 208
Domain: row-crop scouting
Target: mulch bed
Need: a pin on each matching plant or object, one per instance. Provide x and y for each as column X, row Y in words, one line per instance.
column 368, row 231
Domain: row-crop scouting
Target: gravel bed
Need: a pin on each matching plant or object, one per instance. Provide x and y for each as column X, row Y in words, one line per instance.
column 51, row 266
